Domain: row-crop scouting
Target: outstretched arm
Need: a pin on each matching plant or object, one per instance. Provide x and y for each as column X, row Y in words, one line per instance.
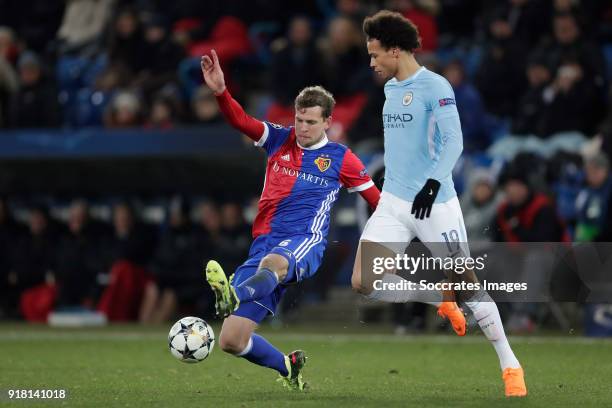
column 233, row 112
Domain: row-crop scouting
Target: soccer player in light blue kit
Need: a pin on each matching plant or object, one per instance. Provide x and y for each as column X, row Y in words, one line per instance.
column 423, row 141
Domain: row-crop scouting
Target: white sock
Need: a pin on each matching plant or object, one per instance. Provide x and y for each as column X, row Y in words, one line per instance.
column 431, row 297
column 247, row 349
column 486, row 313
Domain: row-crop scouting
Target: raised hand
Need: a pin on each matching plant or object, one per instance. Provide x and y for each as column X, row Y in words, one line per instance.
column 212, row 72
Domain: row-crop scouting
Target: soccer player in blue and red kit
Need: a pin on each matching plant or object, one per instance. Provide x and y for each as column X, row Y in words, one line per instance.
column 304, row 173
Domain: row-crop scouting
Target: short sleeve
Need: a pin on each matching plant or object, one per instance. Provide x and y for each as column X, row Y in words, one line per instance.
column 353, row 173
column 273, row 137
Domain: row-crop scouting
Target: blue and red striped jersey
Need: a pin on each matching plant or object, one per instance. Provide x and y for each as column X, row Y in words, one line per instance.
column 302, row 183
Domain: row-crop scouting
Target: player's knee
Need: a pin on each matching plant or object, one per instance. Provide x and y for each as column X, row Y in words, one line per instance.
column 231, row 343
column 277, row 264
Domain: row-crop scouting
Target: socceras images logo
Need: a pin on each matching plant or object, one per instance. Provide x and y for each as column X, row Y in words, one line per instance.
column 322, row 163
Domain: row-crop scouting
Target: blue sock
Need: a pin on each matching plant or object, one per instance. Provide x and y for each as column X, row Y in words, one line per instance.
column 261, row 352
column 257, row 286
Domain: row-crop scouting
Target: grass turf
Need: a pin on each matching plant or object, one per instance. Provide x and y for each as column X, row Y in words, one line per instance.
column 130, row 366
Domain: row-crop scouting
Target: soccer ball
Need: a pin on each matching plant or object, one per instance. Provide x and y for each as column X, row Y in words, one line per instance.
column 191, row 340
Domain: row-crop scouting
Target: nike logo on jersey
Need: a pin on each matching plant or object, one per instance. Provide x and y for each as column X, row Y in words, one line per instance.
column 286, row 157
column 430, row 191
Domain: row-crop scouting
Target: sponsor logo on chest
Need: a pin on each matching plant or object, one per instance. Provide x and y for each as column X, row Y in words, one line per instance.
column 299, row 174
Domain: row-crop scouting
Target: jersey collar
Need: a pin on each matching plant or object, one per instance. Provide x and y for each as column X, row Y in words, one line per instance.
column 411, row 77
column 315, row 146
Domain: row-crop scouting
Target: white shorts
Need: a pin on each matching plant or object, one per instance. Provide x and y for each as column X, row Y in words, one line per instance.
column 393, row 226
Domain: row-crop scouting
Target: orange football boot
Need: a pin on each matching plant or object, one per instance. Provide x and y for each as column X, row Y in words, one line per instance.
column 514, row 379
column 450, row 311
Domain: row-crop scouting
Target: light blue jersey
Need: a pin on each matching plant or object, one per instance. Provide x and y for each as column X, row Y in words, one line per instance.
column 422, row 135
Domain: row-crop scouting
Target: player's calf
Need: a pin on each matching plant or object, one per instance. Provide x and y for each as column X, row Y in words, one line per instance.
column 235, row 334
column 356, row 281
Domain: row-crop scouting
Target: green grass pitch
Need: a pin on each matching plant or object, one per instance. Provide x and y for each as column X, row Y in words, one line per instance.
column 131, row 366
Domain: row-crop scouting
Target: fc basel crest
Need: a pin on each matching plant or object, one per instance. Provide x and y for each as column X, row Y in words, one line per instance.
column 323, row 163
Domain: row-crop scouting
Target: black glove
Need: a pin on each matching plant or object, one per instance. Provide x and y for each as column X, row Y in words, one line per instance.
column 424, row 200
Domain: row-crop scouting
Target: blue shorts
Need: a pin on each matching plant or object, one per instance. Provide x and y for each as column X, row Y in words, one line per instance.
column 304, row 254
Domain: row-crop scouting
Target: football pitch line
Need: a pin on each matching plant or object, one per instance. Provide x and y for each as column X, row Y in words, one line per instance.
column 13, row 335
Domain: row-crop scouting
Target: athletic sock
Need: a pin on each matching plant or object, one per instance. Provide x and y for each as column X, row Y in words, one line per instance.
column 404, row 295
column 486, row 313
column 259, row 351
column 257, row 286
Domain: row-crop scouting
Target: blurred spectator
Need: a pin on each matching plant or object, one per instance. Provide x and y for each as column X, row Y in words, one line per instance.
column 604, row 136
column 575, row 99
column 125, row 50
column 531, row 108
column 35, row 104
column 35, row 21
column 345, row 58
column 234, row 226
column 479, row 204
column 594, row 201
column 296, row 62
column 79, row 255
column 568, row 44
column 209, row 220
column 229, row 38
column 35, row 254
column 10, row 233
column 526, row 215
column 368, row 128
column 422, row 14
column 527, row 19
column 580, row 10
column 213, row 240
column 124, row 111
column 161, row 56
column 176, row 266
column 204, row 106
column 83, row 25
column 9, row 49
column 35, row 267
column 470, row 107
column 9, row 84
column 500, row 77
column 456, row 21
column 131, row 248
column 164, row 112
column 356, row 10
column 132, row 240
column 571, row 102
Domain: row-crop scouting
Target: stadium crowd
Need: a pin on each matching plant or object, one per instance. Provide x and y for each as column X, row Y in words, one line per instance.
column 532, row 79
column 125, row 267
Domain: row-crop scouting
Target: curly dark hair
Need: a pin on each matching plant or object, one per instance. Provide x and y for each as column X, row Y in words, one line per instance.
column 316, row 96
column 392, row 30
